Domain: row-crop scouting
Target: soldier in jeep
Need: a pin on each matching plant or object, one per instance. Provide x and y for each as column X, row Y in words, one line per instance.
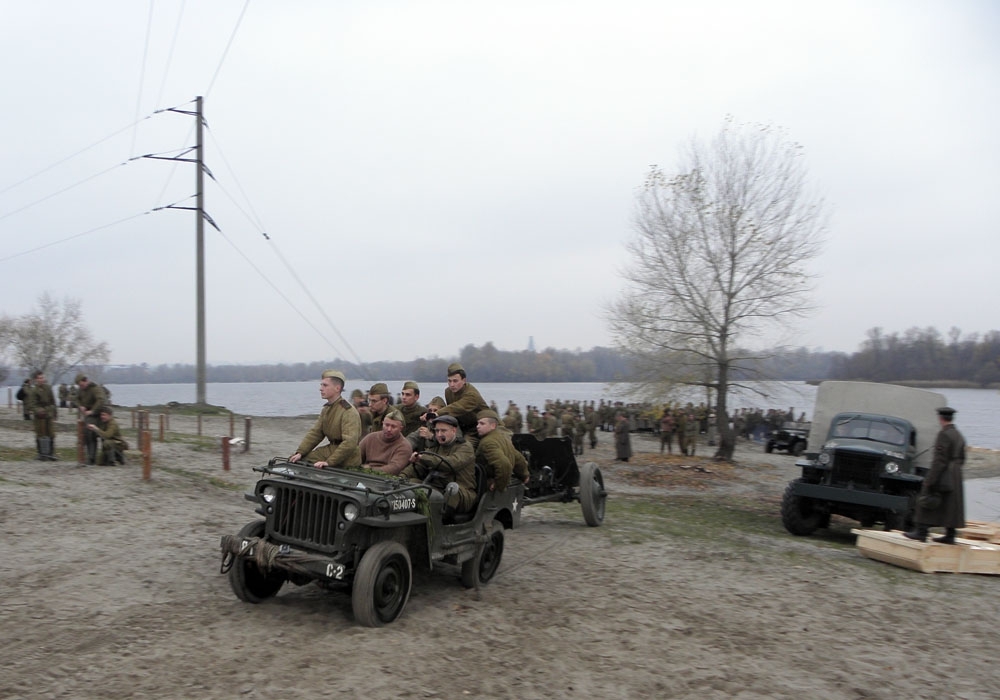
column 451, row 464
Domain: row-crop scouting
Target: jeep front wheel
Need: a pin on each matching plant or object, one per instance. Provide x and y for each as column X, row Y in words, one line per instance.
column 799, row 515
column 382, row 584
column 248, row 581
column 592, row 494
column 487, row 560
column 798, row 448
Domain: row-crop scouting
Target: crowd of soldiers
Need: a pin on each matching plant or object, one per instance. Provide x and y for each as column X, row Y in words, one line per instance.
column 93, row 403
column 441, row 442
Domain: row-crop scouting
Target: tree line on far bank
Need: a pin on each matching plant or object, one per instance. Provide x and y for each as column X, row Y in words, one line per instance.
column 913, row 356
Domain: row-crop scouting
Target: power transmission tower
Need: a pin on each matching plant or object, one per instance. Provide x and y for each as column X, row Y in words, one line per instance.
column 200, row 219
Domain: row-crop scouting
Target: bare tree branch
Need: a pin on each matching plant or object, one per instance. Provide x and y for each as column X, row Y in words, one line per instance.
column 719, row 254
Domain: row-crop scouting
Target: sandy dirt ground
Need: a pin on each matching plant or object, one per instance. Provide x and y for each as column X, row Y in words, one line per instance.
column 110, row 588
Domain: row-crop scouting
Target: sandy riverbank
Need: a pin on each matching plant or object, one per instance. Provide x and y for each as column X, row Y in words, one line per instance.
column 691, row 589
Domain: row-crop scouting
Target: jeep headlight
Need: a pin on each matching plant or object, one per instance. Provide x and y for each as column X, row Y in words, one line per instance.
column 824, row 458
column 891, row 468
column 268, row 493
column 350, row 511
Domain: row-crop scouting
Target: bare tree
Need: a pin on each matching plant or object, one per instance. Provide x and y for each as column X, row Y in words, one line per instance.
column 51, row 338
column 720, row 253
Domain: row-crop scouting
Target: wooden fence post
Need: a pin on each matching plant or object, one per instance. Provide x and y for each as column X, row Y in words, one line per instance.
column 225, row 453
column 199, row 425
column 231, row 430
column 79, row 441
column 146, row 440
column 248, row 421
column 163, row 421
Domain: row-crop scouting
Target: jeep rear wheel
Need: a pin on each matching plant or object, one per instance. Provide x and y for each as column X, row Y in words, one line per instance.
column 799, row 515
column 487, row 560
column 592, row 494
column 798, row 448
column 248, row 581
column 382, row 584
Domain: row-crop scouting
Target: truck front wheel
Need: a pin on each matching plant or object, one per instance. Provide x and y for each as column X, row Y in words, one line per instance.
column 799, row 515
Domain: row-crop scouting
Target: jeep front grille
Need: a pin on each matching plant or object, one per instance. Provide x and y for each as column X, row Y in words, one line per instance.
column 861, row 469
column 305, row 517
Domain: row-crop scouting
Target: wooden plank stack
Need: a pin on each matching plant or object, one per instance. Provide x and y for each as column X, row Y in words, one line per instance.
column 976, row 550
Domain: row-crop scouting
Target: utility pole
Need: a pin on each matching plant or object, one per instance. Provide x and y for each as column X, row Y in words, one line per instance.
column 200, row 218
column 200, row 244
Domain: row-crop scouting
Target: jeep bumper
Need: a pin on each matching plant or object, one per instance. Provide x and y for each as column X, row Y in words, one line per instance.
column 282, row 556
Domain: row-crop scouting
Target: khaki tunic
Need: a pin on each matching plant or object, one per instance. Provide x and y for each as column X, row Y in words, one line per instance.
column 497, row 453
column 460, row 456
column 465, row 405
column 40, row 404
column 91, row 397
column 339, row 423
column 412, row 416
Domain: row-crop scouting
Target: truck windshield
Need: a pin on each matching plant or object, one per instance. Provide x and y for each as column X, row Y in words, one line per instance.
column 866, row 429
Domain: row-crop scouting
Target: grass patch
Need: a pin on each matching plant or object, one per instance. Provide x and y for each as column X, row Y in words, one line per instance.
column 201, row 478
column 187, row 409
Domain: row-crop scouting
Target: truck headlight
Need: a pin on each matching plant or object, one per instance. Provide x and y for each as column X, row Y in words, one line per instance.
column 268, row 493
column 350, row 511
column 891, row 468
column 824, row 458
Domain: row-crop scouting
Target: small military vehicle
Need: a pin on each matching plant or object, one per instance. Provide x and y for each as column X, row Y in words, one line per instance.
column 875, row 442
column 363, row 532
column 791, row 437
column 556, row 477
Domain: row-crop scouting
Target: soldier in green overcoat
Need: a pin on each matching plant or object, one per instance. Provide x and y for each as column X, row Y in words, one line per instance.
column 942, row 493
column 41, row 406
column 89, row 399
column 113, row 444
column 410, row 407
column 464, row 402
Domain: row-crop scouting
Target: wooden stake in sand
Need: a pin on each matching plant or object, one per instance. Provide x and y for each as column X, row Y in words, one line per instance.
column 146, row 440
column 225, row 453
column 247, row 424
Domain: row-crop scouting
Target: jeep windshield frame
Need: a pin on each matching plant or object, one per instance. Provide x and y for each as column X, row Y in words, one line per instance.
column 881, row 429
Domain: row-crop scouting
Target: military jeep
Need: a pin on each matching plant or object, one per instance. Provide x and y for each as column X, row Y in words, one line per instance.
column 875, row 441
column 364, row 532
column 791, row 437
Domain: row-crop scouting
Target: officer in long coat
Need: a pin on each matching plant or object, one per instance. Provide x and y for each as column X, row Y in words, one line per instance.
column 338, row 422
column 942, row 498
column 623, row 443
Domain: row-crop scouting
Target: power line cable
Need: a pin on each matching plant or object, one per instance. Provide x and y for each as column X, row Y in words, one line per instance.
column 170, row 54
column 259, row 224
column 142, row 75
column 72, row 155
column 225, row 53
column 65, row 189
column 74, row 236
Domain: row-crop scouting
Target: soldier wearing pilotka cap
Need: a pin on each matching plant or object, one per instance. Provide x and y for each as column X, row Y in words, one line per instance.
column 378, row 404
column 410, row 407
column 338, row 422
column 464, row 402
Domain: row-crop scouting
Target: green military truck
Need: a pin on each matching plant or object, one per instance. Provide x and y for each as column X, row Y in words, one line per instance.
column 875, row 445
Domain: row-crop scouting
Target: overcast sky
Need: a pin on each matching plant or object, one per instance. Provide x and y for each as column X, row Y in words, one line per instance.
column 443, row 173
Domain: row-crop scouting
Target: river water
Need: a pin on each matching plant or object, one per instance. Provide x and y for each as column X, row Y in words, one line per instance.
column 976, row 418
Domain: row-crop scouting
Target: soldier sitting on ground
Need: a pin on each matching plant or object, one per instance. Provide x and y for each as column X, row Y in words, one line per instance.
column 114, row 445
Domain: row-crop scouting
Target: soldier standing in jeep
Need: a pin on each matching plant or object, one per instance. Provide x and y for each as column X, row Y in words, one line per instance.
column 338, row 422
